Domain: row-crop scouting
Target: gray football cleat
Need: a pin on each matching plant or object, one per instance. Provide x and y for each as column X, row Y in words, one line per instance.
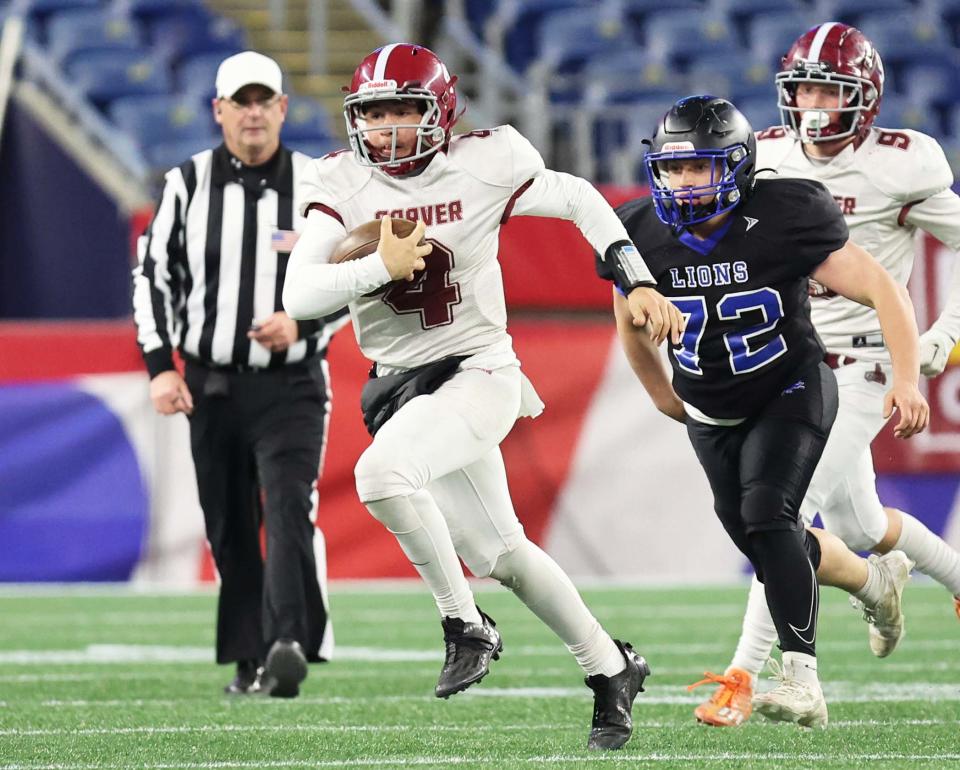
column 470, row 648
column 613, row 698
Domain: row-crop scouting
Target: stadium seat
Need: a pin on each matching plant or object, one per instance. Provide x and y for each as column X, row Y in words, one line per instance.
column 852, row 11
column 676, row 39
column 156, row 9
column 568, row 39
column 169, row 154
column 107, row 75
column 40, row 9
column 617, row 77
column 908, row 38
column 637, row 11
column 930, row 83
column 742, row 13
column 522, row 20
column 477, row 12
column 904, row 112
column 152, row 120
column 771, row 35
column 761, row 111
column 175, row 38
column 307, row 120
column 71, row 33
column 732, row 78
column 196, row 74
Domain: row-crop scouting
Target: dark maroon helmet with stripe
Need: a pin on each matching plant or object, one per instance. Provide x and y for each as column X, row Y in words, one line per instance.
column 840, row 55
column 404, row 72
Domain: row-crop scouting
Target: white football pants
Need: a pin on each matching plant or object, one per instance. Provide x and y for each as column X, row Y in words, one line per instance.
column 434, row 476
column 447, row 443
column 843, row 488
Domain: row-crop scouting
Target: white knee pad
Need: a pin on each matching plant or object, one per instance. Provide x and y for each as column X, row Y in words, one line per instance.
column 380, row 473
column 506, row 566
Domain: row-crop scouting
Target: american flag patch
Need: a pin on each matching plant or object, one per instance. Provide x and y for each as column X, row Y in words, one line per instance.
column 283, row 240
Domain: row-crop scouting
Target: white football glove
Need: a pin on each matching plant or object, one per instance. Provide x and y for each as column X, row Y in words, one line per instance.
column 935, row 349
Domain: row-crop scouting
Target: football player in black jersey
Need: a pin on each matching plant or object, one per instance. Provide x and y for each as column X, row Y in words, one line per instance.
column 734, row 254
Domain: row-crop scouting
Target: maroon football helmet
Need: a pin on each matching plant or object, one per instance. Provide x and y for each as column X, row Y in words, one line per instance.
column 840, row 55
column 406, row 72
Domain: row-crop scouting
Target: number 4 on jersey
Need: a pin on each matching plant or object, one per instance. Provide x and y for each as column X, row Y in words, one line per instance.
column 430, row 293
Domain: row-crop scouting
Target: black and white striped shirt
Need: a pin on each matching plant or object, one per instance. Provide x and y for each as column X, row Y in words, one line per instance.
column 214, row 259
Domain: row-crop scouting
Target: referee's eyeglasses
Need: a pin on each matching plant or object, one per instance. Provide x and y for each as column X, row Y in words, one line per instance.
column 246, row 104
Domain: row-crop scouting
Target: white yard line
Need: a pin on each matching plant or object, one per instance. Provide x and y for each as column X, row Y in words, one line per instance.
column 732, row 757
column 835, row 692
column 341, row 728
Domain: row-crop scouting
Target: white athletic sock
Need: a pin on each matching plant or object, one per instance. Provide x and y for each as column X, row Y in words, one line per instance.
column 539, row 583
column 931, row 554
column 758, row 634
column 872, row 591
column 801, row 666
column 421, row 530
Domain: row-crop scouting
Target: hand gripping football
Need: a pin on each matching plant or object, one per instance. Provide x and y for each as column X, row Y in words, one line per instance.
column 362, row 240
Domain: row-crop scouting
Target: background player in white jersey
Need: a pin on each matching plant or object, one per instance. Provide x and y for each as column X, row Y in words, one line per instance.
column 434, row 474
column 888, row 183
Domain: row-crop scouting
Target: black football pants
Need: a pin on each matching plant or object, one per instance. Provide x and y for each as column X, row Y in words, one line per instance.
column 759, row 472
column 257, row 439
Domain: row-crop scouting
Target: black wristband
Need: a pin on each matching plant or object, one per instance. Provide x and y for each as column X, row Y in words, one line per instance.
column 629, row 270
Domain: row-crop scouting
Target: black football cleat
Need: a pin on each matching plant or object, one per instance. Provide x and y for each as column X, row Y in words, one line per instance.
column 613, row 701
column 244, row 679
column 470, row 647
column 284, row 670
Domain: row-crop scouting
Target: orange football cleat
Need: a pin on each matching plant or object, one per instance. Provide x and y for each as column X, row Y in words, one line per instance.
column 956, row 606
column 730, row 705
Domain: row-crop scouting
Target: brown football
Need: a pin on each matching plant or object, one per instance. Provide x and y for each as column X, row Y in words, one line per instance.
column 363, row 240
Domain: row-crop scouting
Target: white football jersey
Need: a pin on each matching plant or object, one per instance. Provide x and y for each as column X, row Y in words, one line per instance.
column 894, row 182
column 456, row 306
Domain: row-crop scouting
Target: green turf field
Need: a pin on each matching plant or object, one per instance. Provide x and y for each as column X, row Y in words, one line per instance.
column 109, row 679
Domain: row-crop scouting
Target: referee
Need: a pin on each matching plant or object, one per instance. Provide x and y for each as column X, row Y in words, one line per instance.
column 209, row 282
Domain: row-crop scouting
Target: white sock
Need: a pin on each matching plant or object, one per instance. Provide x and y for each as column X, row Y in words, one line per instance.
column 757, row 635
column 931, row 554
column 539, row 583
column 801, row 666
column 872, row 591
column 421, row 530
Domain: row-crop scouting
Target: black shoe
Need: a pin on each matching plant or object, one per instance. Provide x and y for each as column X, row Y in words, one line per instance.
column 613, row 701
column 243, row 681
column 285, row 669
column 470, row 646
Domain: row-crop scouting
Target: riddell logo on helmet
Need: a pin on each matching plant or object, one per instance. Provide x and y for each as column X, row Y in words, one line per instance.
column 378, row 85
column 678, row 147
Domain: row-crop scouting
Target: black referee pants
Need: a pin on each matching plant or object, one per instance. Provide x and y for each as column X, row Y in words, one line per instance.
column 257, row 439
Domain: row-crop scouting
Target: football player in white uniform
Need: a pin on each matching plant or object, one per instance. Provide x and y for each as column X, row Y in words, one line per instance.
column 433, row 319
column 888, row 183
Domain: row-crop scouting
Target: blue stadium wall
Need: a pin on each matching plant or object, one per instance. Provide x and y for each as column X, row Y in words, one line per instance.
column 64, row 243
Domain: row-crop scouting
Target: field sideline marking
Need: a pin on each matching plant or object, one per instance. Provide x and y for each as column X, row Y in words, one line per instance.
column 445, row 761
column 101, row 654
column 322, row 727
column 836, row 692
